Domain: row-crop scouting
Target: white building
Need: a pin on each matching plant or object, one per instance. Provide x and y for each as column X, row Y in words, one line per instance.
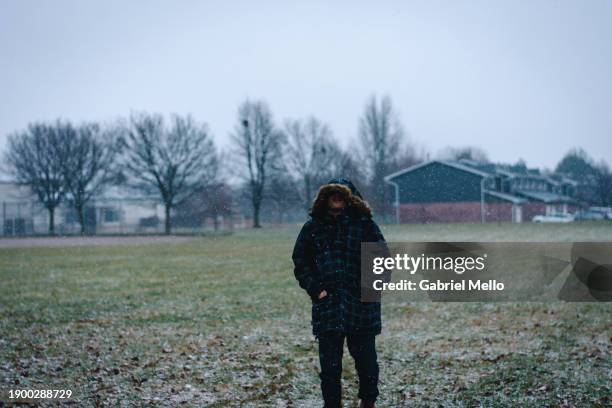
column 114, row 212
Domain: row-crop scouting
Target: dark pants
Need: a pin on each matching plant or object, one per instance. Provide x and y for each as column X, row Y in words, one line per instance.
column 363, row 350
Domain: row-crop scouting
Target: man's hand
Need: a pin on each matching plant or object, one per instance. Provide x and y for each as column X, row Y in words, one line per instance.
column 322, row 294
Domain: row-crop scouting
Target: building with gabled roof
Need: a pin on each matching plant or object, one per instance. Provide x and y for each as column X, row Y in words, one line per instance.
column 467, row 191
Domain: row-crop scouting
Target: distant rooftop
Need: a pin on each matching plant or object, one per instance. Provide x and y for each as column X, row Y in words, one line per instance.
column 546, row 197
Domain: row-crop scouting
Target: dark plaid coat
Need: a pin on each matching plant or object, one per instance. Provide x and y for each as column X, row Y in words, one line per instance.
column 327, row 257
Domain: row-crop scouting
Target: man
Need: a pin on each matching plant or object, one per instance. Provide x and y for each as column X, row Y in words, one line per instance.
column 327, row 265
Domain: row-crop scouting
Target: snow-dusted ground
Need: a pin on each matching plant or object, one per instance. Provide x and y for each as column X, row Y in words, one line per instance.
column 221, row 322
column 69, row 241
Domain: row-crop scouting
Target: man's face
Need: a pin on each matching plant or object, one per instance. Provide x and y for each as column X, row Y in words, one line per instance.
column 335, row 203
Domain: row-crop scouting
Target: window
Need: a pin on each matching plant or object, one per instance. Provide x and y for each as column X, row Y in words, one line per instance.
column 110, row 215
column 70, row 216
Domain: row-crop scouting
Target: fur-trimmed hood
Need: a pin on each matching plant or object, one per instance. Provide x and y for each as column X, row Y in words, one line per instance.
column 355, row 203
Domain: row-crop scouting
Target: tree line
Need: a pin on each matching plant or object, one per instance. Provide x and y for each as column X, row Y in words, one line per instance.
column 175, row 159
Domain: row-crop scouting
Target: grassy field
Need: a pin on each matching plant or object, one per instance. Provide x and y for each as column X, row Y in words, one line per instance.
column 221, row 322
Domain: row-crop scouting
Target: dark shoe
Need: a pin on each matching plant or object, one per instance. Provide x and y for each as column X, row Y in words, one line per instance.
column 333, row 404
column 366, row 404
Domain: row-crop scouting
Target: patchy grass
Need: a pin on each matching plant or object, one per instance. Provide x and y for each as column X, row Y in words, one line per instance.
column 220, row 321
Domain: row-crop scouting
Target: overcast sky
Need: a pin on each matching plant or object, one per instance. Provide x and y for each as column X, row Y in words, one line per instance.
column 520, row 79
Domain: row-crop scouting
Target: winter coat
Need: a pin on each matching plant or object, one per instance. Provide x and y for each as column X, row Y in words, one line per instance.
column 327, row 256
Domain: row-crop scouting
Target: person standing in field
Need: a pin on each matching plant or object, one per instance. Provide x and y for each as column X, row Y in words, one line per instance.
column 327, row 266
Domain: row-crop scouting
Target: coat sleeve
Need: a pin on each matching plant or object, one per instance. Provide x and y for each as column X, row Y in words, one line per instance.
column 304, row 264
column 376, row 235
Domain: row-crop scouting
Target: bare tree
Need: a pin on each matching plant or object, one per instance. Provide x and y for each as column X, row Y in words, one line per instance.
column 347, row 166
column 472, row 153
column 310, row 151
column 578, row 165
column 90, row 164
column 175, row 162
column 212, row 201
column 258, row 146
column 380, row 133
column 604, row 184
column 218, row 202
column 35, row 158
column 282, row 194
column 407, row 157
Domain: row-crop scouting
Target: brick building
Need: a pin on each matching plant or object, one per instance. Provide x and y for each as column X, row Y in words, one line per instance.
column 465, row 191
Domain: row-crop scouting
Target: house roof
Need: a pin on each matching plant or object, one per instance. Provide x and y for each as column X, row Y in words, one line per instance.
column 507, row 197
column 485, row 171
column 505, row 172
column 120, row 193
column 567, row 180
column 546, row 197
column 12, row 191
column 455, row 165
column 552, row 181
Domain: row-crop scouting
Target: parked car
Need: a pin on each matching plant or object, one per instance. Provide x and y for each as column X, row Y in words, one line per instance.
column 606, row 211
column 554, row 218
column 589, row 215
